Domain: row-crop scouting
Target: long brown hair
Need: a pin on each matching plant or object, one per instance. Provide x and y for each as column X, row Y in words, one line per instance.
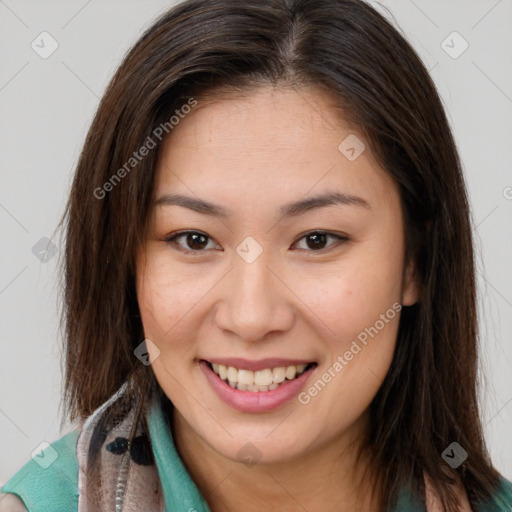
column 429, row 397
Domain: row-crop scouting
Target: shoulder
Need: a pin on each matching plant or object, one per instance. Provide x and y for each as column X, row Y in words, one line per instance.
column 11, row 503
column 501, row 500
column 50, row 477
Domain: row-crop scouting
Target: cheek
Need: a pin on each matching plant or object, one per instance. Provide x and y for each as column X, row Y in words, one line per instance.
column 346, row 301
column 163, row 318
column 362, row 310
column 167, row 293
column 360, row 305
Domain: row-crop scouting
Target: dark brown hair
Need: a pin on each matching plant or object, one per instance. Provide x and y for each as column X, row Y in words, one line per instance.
column 429, row 396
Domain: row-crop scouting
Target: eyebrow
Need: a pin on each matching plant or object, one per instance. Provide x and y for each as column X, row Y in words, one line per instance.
column 287, row 210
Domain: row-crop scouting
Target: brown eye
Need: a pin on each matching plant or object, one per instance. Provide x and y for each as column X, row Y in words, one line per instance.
column 317, row 240
column 193, row 241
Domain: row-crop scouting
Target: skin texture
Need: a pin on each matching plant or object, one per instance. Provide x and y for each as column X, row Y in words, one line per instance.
column 11, row 503
column 252, row 154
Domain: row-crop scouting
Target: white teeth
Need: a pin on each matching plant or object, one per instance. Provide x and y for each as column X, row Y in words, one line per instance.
column 260, row 380
column 290, row 372
column 245, row 377
column 278, row 374
column 233, row 374
column 263, row 377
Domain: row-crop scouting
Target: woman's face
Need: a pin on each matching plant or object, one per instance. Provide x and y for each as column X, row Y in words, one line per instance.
column 262, row 286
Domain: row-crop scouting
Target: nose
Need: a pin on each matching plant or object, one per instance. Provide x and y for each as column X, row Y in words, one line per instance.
column 255, row 301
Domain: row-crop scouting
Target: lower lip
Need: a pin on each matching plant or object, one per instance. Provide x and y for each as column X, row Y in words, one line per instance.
column 255, row 401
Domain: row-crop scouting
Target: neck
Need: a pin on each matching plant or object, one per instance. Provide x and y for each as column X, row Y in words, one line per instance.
column 324, row 479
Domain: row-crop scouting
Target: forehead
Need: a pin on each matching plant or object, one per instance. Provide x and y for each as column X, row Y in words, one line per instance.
column 268, row 144
column 274, row 117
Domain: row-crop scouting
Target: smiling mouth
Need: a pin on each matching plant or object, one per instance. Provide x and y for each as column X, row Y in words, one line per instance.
column 263, row 380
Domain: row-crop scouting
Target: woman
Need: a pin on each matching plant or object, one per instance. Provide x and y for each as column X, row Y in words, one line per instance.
column 269, row 281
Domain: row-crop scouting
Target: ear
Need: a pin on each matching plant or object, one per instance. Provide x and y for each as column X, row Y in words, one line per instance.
column 410, row 288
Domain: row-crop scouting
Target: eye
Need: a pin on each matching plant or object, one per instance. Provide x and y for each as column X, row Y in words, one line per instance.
column 195, row 241
column 316, row 240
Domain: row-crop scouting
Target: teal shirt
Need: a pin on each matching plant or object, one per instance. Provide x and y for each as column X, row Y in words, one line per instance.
column 55, row 487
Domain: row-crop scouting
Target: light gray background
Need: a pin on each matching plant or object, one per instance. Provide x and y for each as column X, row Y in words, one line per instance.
column 46, row 106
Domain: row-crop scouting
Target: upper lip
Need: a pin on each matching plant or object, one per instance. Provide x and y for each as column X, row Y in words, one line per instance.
column 255, row 365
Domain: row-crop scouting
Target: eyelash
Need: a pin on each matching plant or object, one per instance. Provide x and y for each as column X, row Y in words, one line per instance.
column 172, row 240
